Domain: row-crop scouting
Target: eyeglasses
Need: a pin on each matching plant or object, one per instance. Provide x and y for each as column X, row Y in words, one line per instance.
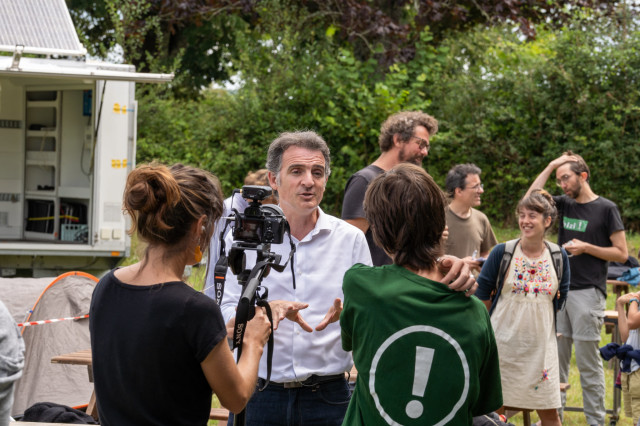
column 563, row 179
column 423, row 144
column 477, row 187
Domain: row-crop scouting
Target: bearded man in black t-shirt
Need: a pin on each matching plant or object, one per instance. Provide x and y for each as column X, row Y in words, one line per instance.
column 404, row 138
column 591, row 230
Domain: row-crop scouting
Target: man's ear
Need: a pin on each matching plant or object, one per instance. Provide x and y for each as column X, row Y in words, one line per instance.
column 397, row 141
column 457, row 191
column 583, row 175
column 272, row 181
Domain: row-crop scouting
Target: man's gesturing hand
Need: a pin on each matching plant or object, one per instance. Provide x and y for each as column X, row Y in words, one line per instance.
column 281, row 309
column 333, row 315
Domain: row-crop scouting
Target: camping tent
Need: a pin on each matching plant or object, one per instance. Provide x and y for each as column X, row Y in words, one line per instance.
column 19, row 294
column 68, row 295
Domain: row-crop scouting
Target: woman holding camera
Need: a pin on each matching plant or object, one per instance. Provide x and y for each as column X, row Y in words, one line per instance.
column 159, row 347
column 522, row 310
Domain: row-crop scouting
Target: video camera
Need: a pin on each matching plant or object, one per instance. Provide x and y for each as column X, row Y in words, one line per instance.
column 256, row 229
column 259, row 224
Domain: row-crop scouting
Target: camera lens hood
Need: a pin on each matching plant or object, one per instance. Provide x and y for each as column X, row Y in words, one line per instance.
column 272, row 210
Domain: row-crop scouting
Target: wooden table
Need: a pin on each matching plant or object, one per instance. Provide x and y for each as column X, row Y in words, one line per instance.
column 618, row 287
column 82, row 357
column 611, row 324
column 611, row 317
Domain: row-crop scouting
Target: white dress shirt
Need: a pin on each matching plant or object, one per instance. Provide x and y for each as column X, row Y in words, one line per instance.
column 321, row 259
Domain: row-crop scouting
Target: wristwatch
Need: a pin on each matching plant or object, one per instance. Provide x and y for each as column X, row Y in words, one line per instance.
column 634, row 300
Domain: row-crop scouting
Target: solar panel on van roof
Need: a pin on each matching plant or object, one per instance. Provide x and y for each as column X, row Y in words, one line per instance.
column 41, row 26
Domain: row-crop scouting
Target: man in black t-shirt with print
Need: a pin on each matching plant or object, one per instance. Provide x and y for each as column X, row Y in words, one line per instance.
column 591, row 230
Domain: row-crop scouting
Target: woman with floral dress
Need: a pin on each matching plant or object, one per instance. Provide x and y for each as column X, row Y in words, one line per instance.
column 523, row 310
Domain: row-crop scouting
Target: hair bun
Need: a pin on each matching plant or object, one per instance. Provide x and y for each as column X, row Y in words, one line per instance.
column 140, row 196
column 547, row 196
column 164, row 202
column 151, row 187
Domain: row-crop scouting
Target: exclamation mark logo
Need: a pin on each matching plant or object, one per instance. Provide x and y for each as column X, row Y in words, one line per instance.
column 424, row 359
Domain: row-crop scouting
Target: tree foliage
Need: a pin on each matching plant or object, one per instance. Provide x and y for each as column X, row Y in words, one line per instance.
column 196, row 38
column 192, row 38
column 507, row 104
column 511, row 107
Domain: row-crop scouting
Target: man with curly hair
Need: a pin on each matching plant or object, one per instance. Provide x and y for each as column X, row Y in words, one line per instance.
column 404, row 137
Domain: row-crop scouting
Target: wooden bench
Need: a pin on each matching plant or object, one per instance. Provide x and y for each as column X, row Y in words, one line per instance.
column 610, row 323
column 82, row 357
column 526, row 413
column 618, row 287
column 219, row 414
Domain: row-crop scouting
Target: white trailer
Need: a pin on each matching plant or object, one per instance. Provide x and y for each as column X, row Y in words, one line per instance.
column 67, row 143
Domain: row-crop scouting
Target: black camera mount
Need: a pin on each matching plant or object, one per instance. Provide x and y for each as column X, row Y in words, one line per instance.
column 255, row 229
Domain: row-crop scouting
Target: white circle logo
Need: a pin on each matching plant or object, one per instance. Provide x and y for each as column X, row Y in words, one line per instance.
column 423, row 363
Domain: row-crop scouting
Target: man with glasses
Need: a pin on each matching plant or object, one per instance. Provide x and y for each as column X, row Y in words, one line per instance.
column 591, row 230
column 470, row 235
column 404, row 137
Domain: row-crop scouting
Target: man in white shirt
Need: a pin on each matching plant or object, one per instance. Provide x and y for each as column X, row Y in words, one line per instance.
column 307, row 384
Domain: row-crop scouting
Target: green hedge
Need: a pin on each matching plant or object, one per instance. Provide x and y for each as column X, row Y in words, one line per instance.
column 507, row 105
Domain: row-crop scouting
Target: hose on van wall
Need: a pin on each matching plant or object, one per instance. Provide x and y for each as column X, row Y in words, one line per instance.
column 95, row 132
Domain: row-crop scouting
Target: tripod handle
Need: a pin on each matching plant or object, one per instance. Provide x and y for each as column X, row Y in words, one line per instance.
column 249, row 292
column 245, row 311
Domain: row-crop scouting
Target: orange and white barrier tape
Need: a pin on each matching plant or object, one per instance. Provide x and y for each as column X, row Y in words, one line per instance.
column 49, row 321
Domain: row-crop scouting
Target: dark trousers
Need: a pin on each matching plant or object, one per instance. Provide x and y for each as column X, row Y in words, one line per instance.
column 321, row 404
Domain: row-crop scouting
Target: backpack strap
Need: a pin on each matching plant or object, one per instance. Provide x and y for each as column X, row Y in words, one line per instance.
column 509, row 248
column 556, row 257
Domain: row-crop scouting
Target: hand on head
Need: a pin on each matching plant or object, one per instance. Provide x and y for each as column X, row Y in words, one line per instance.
column 563, row 159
